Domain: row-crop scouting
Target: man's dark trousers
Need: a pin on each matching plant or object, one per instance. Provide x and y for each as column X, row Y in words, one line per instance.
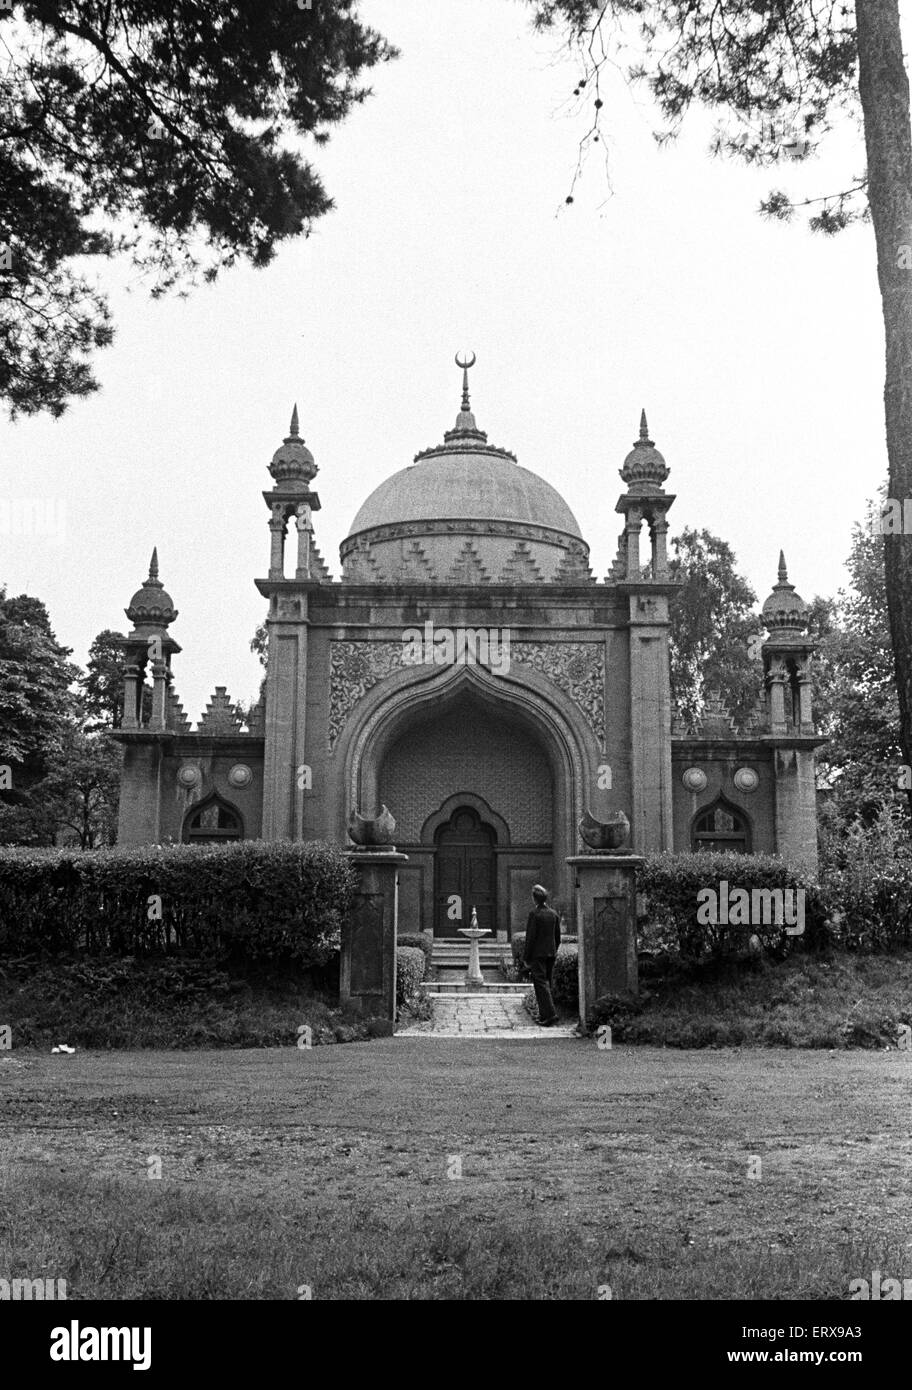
column 541, row 971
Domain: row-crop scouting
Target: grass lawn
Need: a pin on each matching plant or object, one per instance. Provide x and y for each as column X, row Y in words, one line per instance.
column 335, row 1168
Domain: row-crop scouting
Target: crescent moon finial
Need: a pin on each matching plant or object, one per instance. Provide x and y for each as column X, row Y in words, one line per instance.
column 462, row 360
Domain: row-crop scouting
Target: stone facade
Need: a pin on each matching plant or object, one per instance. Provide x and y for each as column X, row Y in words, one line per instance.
column 470, row 672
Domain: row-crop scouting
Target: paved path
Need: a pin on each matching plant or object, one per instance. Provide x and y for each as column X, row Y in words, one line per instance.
column 483, row 1016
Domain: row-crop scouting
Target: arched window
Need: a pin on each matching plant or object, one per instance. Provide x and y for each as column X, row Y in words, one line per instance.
column 721, row 827
column 211, row 822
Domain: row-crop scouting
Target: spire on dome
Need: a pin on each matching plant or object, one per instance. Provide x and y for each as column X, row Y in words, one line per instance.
column 785, row 611
column 293, row 464
column 644, row 428
column 152, row 604
column 466, row 404
column 465, row 427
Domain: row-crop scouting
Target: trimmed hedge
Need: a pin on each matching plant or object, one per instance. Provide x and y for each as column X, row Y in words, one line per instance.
column 409, row 972
column 420, row 942
column 249, row 901
column 672, row 885
column 565, row 980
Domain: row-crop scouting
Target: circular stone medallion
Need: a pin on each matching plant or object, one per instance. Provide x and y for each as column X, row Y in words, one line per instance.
column 240, row 775
column 694, row 779
column 746, row 779
column 189, row 776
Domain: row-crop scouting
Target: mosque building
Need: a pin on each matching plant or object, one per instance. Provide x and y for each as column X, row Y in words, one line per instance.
column 470, row 673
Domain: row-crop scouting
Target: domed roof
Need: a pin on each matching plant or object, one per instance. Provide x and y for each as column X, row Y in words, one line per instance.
column 152, row 604
column 645, row 469
column 785, row 611
column 466, row 479
column 473, row 484
column 293, row 464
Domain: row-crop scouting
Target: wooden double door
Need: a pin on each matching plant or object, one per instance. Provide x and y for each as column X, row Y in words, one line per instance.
column 465, row 874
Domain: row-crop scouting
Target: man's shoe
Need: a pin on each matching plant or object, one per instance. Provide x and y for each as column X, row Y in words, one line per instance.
column 547, row 1022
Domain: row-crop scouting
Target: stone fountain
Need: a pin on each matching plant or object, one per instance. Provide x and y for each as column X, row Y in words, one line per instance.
column 474, row 978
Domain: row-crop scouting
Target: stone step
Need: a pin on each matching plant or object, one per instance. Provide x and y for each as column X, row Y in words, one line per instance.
column 490, row 948
column 460, row 988
column 492, row 1014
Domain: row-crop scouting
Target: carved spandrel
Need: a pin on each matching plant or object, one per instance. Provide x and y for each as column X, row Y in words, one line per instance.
column 578, row 668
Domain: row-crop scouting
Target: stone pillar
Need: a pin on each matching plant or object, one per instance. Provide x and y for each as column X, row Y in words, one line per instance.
column 796, row 807
column 775, row 683
column 606, row 926
column 633, row 528
column 157, row 719
column 651, row 814
column 659, row 536
column 286, row 711
column 368, row 965
column 805, row 713
column 305, row 529
column 277, row 552
column 131, row 697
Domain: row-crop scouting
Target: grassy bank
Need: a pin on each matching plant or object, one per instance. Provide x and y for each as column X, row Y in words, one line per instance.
column 806, row 1001
column 176, row 1003
column 840, row 1001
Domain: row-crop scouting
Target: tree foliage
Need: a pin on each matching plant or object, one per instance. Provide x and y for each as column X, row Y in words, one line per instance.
column 102, row 684
column 809, row 65
column 782, row 75
column 168, row 130
column 855, row 693
column 714, row 632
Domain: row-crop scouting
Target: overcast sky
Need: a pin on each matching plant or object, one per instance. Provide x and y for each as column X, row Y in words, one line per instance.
column 756, row 348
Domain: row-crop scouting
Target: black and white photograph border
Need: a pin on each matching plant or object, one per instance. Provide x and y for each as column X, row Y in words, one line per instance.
column 456, row 664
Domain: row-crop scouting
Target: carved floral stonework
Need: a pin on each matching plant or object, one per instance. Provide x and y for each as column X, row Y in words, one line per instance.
column 354, row 668
column 578, row 668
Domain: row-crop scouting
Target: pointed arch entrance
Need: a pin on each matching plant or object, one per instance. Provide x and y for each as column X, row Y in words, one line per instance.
column 465, row 872
column 515, row 747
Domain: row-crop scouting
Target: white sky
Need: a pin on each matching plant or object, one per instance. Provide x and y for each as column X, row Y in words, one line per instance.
column 756, row 348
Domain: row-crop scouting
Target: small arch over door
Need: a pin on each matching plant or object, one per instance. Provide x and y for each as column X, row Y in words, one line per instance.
column 212, row 822
column 720, row 827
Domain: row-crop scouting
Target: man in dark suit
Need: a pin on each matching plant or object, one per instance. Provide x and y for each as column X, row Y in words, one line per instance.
column 542, row 941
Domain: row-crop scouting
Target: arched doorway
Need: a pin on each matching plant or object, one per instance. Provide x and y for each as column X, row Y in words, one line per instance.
column 465, row 867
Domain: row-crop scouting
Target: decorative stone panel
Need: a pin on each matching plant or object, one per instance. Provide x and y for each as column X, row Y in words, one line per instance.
column 578, row 668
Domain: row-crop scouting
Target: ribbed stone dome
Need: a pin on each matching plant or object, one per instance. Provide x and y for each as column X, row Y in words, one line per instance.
column 151, row 605
column 784, row 611
column 478, row 484
column 465, row 512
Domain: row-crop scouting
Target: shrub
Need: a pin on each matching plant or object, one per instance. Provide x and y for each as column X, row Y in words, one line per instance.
column 868, row 874
column 160, row 1001
column 565, row 980
column 409, row 972
column 518, row 945
column 420, row 1005
column 671, row 884
column 421, row 943
column 618, row 1011
column 250, row 901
